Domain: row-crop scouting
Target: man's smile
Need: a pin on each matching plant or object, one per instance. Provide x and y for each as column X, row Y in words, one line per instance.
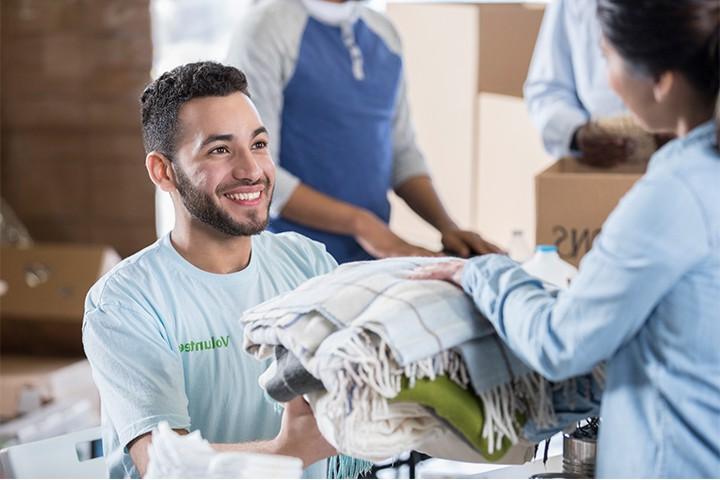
column 248, row 196
column 245, row 199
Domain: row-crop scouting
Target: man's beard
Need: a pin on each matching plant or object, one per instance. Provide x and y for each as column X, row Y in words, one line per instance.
column 201, row 206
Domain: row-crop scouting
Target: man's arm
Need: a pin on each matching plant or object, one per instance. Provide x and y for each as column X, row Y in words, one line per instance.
column 139, row 449
column 316, row 210
column 411, row 181
column 550, row 89
column 421, row 197
column 299, row 437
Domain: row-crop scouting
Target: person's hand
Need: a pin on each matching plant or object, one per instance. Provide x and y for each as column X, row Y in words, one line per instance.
column 465, row 243
column 450, row 271
column 378, row 240
column 599, row 148
column 299, row 435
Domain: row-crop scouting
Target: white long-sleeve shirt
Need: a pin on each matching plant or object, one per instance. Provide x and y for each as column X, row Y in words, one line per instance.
column 567, row 81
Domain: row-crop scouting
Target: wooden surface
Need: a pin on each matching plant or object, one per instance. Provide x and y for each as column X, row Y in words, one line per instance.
column 72, row 155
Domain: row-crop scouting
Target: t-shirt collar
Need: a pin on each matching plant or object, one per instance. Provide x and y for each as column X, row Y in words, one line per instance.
column 331, row 13
column 246, row 273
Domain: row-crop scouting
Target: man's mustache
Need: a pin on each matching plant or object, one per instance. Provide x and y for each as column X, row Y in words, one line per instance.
column 244, row 183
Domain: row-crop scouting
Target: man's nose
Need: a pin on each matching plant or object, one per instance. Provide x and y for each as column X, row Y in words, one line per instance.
column 246, row 166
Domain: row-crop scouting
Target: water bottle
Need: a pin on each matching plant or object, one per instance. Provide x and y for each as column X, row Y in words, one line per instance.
column 547, row 265
column 518, row 249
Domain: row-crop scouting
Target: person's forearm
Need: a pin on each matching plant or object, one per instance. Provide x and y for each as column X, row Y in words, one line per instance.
column 139, row 449
column 270, row 447
column 263, row 446
column 421, row 197
column 314, row 209
column 276, row 446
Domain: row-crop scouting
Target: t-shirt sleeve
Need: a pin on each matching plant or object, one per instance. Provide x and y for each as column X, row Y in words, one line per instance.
column 408, row 159
column 322, row 261
column 138, row 373
column 316, row 259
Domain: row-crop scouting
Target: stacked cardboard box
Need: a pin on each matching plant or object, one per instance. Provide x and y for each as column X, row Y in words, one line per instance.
column 465, row 65
column 573, row 201
column 28, row 382
column 72, row 156
column 42, row 365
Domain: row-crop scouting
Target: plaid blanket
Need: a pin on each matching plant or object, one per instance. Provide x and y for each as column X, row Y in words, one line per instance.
column 365, row 327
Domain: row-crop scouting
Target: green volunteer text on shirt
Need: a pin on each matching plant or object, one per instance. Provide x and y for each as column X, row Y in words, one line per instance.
column 213, row 343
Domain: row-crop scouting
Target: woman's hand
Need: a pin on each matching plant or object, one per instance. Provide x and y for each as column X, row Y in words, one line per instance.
column 450, row 271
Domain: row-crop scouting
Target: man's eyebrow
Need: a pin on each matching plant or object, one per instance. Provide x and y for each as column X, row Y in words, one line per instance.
column 258, row 131
column 217, row 138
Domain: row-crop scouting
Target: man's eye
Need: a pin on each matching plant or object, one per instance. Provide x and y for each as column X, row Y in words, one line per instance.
column 259, row 145
column 220, row 150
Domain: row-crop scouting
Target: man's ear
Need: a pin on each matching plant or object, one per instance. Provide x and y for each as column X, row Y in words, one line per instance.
column 664, row 84
column 160, row 170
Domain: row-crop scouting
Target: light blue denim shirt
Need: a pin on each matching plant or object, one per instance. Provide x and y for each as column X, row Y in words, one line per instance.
column 567, row 81
column 646, row 300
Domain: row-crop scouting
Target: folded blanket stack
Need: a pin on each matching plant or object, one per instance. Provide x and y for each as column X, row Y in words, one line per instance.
column 390, row 364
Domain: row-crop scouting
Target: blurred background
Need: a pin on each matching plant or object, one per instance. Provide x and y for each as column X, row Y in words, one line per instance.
column 73, row 70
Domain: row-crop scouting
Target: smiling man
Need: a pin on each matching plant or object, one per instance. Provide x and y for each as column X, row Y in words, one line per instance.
column 160, row 330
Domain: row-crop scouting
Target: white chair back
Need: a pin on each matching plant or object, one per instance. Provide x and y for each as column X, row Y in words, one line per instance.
column 56, row 457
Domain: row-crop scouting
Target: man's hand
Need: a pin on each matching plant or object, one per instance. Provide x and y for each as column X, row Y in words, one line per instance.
column 466, row 243
column 376, row 238
column 450, row 271
column 299, row 435
column 138, row 449
column 599, row 148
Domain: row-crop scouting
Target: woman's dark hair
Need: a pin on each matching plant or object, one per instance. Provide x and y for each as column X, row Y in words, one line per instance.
column 661, row 35
column 162, row 99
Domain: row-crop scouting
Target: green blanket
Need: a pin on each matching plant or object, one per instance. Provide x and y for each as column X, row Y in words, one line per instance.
column 460, row 408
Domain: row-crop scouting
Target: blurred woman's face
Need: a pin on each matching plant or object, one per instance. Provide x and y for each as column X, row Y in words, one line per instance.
column 636, row 91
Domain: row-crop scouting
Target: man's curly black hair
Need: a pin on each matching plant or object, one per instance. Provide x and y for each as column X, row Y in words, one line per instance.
column 162, row 99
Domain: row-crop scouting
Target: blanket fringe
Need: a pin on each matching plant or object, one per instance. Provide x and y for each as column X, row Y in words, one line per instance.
column 342, row 466
column 370, row 376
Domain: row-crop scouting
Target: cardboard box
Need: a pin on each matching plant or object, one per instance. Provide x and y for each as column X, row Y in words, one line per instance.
column 506, row 37
column 510, row 155
column 42, row 310
column 28, row 382
column 573, row 201
column 465, row 65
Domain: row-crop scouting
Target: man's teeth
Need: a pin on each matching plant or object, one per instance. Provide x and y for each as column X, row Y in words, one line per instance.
column 243, row 196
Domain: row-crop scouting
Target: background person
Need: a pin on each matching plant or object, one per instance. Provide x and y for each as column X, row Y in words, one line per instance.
column 567, row 89
column 328, row 81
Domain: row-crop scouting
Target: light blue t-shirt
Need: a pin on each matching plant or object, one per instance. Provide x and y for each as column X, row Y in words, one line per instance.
column 164, row 343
